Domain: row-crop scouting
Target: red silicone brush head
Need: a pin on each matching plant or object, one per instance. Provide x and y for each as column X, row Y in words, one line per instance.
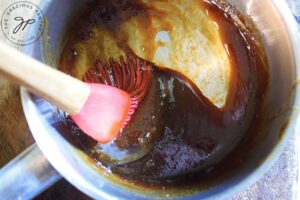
column 104, row 112
column 116, row 104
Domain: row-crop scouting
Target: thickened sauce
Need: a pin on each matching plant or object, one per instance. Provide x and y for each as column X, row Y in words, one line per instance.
column 177, row 135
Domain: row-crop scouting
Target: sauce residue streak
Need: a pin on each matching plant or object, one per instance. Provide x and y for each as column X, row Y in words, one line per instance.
column 178, row 135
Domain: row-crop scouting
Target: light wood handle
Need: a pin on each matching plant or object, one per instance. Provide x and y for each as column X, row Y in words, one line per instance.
column 64, row 91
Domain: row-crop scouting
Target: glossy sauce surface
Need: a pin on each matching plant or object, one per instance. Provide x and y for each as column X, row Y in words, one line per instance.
column 176, row 132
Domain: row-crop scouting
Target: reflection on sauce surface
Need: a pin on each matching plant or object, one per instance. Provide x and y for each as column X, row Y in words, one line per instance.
column 179, row 134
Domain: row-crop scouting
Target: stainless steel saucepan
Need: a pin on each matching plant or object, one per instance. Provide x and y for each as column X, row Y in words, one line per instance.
column 52, row 157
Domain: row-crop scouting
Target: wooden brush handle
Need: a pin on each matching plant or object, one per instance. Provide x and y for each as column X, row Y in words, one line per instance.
column 64, row 91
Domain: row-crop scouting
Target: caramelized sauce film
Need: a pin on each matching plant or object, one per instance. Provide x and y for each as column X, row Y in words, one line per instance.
column 181, row 136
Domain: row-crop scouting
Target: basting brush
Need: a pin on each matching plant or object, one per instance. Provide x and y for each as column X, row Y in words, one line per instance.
column 100, row 108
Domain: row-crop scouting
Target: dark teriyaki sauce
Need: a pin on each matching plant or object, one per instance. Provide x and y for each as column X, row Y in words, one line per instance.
column 186, row 136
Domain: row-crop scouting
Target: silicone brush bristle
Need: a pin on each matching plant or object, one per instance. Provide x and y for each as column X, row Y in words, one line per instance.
column 132, row 76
